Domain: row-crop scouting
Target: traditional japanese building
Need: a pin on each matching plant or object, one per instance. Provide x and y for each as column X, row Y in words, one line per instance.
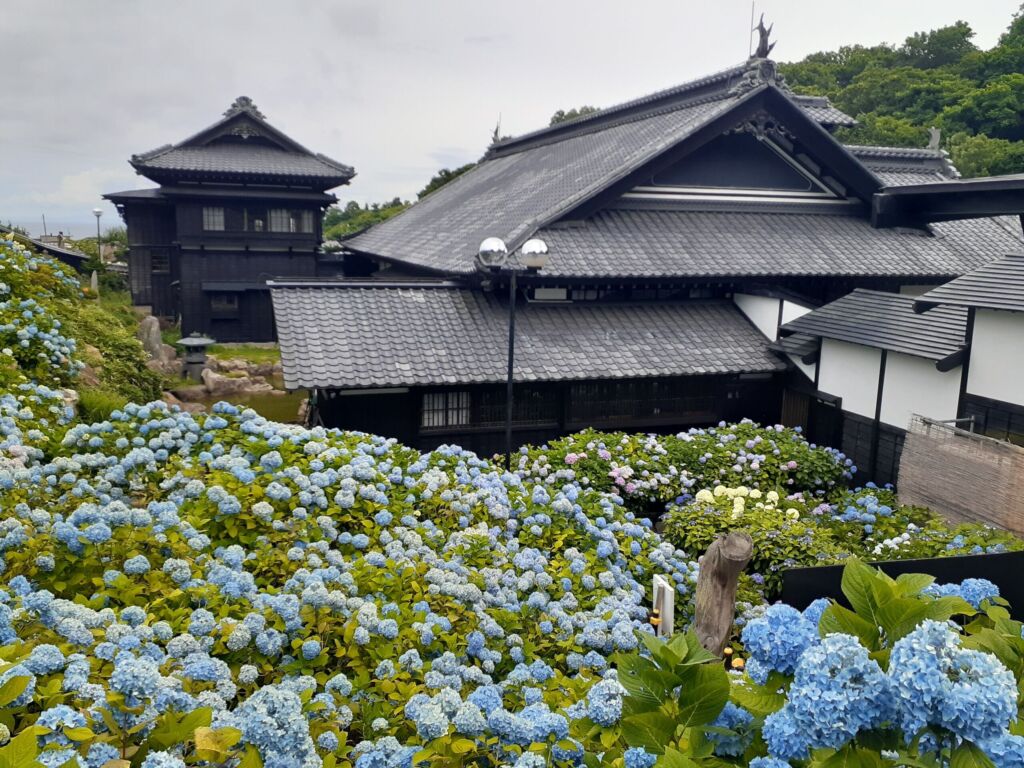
column 684, row 228
column 238, row 203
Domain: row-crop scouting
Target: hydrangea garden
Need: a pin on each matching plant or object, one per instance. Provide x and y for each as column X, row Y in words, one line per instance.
column 220, row 590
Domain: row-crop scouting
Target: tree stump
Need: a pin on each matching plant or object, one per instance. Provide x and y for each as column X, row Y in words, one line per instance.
column 715, row 607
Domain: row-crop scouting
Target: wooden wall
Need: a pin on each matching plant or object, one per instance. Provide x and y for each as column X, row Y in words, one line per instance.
column 548, row 410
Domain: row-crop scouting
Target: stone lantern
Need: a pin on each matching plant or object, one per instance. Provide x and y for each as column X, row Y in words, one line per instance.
column 195, row 355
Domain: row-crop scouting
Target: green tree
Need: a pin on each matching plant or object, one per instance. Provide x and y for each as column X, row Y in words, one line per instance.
column 341, row 222
column 935, row 78
column 985, row 156
column 442, row 177
column 994, row 110
column 938, row 48
column 915, row 94
column 562, row 115
column 884, row 131
column 828, row 72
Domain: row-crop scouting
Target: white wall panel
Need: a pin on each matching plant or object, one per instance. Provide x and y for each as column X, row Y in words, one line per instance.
column 913, row 385
column 762, row 311
column 850, row 371
column 997, row 356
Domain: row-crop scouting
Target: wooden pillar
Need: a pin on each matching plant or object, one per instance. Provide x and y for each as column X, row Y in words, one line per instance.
column 715, row 607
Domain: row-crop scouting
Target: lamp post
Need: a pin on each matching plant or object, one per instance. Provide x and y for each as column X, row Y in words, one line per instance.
column 99, row 247
column 493, row 257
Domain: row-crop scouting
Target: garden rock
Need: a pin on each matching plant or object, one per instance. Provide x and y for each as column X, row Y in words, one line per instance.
column 191, row 394
column 171, row 399
column 149, row 335
column 219, row 385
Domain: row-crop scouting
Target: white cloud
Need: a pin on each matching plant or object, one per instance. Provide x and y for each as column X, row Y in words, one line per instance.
column 84, row 188
column 397, row 89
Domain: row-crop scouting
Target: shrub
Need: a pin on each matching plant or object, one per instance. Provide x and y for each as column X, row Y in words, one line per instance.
column 98, row 404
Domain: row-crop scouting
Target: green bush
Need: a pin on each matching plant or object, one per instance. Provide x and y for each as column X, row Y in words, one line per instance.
column 117, row 356
column 97, row 404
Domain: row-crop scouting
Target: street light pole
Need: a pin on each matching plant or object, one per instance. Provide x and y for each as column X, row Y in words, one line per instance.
column 99, row 246
column 493, row 258
column 509, row 394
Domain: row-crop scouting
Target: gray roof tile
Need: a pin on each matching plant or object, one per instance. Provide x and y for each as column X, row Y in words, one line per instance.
column 242, row 159
column 886, row 321
column 337, row 336
column 998, row 285
column 510, row 195
column 668, row 243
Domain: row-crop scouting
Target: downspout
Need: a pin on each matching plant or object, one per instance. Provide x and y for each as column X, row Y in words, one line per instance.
column 965, row 369
column 817, row 365
column 876, row 431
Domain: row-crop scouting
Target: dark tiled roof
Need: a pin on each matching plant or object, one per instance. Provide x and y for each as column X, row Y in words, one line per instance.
column 152, row 193
column 353, row 337
column 886, row 321
column 242, row 160
column 510, row 195
column 800, row 345
column 820, row 109
column 241, row 143
column 71, row 258
column 999, row 285
column 525, row 182
column 717, row 85
column 668, row 243
column 905, row 166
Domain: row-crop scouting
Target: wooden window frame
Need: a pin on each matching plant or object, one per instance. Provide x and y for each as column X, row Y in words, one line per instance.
column 225, row 306
column 212, row 216
column 445, row 409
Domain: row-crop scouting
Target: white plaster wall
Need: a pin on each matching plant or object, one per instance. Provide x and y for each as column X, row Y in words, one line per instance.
column 913, row 385
column 791, row 311
column 997, row 356
column 850, row 371
column 915, row 290
column 762, row 311
column 804, row 368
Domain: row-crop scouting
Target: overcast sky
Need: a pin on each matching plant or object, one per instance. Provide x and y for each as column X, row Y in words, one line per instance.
column 397, row 89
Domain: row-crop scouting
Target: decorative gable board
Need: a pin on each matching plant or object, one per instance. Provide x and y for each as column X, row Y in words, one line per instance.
column 738, row 163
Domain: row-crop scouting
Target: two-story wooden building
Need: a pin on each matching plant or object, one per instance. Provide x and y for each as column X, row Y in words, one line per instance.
column 238, row 203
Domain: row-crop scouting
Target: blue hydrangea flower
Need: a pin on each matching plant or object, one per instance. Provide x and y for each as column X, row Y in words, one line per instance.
column 778, row 638
column 938, row 682
column 735, row 719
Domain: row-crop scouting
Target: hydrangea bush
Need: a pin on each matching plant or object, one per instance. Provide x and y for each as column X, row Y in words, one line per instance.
column 252, row 576
column 893, row 682
column 665, row 468
column 220, row 590
column 804, row 528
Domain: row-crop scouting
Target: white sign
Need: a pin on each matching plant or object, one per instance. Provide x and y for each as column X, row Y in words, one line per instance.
column 664, row 601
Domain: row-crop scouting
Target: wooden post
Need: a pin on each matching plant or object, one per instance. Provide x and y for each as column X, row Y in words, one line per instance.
column 715, row 607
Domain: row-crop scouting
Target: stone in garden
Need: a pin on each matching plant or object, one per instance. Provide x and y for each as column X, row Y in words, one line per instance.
column 149, row 335
column 219, row 385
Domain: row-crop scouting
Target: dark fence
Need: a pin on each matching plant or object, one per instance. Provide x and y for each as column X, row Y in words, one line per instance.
column 876, row 463
column 802, row 586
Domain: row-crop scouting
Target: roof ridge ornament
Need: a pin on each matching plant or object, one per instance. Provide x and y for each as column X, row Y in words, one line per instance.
column 759, row 72
column 760, row 69
column 243, row 104
column 764, row 46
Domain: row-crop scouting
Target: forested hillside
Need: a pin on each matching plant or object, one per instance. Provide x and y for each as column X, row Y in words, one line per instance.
column 938, row 78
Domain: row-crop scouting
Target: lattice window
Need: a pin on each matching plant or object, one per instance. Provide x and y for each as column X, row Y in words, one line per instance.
column 224, row 306
column 445, row 409
column 280, row 220
column 213, row 218
column 160, row 263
